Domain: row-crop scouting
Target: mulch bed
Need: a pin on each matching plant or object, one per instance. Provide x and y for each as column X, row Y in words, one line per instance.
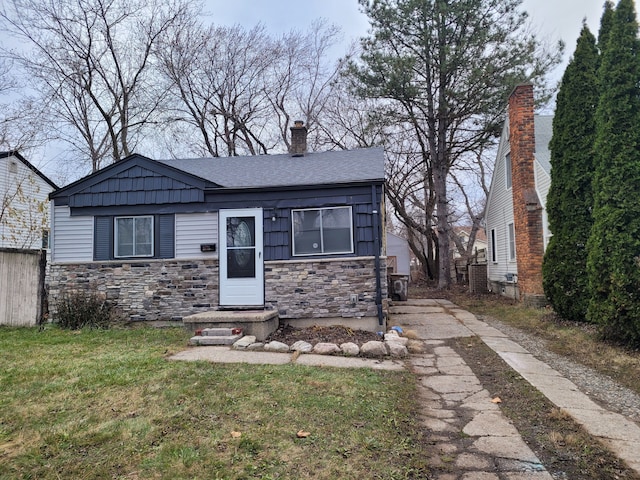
column 319, row 334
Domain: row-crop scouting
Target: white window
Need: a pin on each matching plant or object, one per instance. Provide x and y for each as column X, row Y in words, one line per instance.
column 320, row 231
column 494, row 251
column 134, row 236
column 507, row 170
column 512, row 241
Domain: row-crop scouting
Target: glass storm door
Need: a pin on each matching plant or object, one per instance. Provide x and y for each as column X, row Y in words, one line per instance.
column 241, row 262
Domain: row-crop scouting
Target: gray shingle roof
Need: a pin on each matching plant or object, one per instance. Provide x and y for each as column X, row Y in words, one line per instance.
column 544, row 131
column 341, row 166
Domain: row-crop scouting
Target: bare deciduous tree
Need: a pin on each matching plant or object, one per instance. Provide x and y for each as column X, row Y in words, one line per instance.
column 219, row 77
column 92, row 62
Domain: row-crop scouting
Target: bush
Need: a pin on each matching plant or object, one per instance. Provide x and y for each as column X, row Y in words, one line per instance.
column 80, row 309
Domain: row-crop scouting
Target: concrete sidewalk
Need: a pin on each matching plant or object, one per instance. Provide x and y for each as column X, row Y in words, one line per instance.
column 450, row 386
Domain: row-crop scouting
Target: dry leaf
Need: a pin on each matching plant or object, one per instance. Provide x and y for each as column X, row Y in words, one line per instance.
column 496, row 400
column 236, row 434
column 302, row 434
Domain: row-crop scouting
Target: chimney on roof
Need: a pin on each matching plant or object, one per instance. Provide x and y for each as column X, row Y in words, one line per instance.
column 298, row 139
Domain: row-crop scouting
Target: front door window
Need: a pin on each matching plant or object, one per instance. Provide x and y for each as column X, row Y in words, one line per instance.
column 241, row 247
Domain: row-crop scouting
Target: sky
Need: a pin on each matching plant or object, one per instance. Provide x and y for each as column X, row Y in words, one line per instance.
column 551, row 19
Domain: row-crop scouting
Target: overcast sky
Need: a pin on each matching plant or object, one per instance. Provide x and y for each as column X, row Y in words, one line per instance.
column 553, row 19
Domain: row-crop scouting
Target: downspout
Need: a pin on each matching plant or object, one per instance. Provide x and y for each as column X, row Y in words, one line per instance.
column 376, row 246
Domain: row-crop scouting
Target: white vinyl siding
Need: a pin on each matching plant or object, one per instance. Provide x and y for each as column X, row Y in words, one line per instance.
column 194, row 229
column 72, row 237
column 23, row 226
column 543, row 182
column 500, row 213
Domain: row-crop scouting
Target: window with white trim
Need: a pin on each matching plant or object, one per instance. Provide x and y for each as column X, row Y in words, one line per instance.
column 507, row 170
column 494, row 251
column 512, row 241
column 133, row 237
column 319, row 231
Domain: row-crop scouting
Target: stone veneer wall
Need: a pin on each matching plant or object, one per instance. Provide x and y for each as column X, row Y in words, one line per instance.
column 151, row 290
column 322, row 288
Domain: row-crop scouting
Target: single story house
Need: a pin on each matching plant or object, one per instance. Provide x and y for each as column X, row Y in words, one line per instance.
column 301, row 233
column 24, row 206
column 516, row 219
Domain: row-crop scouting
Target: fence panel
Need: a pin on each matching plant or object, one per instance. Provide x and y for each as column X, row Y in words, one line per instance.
column 21, row 286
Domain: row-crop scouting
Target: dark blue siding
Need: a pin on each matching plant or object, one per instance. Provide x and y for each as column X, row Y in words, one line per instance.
column 136, row 186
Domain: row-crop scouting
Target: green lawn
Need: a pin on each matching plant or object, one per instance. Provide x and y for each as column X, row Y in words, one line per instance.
column 109, row 405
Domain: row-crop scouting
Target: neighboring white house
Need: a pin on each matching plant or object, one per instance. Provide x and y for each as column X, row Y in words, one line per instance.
column 398, row 254
column 24, row 205
column 516, row 220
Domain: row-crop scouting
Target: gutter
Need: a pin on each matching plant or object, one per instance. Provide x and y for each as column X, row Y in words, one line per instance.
column 376, row 246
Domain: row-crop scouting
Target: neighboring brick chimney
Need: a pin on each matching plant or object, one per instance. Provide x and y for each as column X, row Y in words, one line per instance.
column 298, row 139
column 527, row 210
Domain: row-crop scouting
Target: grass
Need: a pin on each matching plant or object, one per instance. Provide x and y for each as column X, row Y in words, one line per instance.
column 108, row 404
column 577, row 341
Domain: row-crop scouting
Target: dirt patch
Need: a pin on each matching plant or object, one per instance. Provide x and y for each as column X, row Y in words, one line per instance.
column 318, row 334
column 564, row 447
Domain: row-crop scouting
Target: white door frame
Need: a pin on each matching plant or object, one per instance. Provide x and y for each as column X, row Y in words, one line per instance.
column 242, row 264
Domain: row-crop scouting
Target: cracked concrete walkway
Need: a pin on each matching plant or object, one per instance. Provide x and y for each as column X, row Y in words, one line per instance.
column 455, row 404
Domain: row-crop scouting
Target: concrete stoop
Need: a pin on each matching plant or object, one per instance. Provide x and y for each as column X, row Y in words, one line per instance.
column 260, row 323
column 216, row 336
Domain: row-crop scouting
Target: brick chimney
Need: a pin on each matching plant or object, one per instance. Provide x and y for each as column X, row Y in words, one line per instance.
column 298, row 139
column 527, row 209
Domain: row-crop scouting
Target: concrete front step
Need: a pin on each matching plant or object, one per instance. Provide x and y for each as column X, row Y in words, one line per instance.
column 215, row 339
column 260, row 323
column 219, row 332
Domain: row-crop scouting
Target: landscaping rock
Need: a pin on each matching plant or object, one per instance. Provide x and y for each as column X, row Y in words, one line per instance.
column 326, row 348
column 302, row 347
column 350, row 349
column 276, row 347
column 244, row 342
column 397, row 350
column 401, row 340
column 374, row 349
column 256, row 346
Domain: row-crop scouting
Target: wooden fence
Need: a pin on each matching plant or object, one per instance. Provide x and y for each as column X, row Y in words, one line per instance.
column 22, row 295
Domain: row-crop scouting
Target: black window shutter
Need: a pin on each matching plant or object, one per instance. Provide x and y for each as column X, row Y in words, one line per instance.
column 103, row 238
column 165, row 236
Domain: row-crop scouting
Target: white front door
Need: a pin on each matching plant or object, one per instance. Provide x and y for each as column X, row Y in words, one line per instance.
column 241, row 262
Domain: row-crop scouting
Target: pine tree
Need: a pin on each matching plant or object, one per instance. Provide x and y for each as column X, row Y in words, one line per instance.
column 614, row 244
column 570, row 197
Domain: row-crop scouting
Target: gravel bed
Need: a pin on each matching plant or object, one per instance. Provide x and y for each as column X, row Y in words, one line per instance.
column 598, row 387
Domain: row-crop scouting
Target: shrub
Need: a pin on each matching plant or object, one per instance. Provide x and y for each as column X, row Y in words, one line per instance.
column 80, row 309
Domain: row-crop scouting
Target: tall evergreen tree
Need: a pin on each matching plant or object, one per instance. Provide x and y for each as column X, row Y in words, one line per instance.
column 614, row 245
column 570, row 197
column 606, row 22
